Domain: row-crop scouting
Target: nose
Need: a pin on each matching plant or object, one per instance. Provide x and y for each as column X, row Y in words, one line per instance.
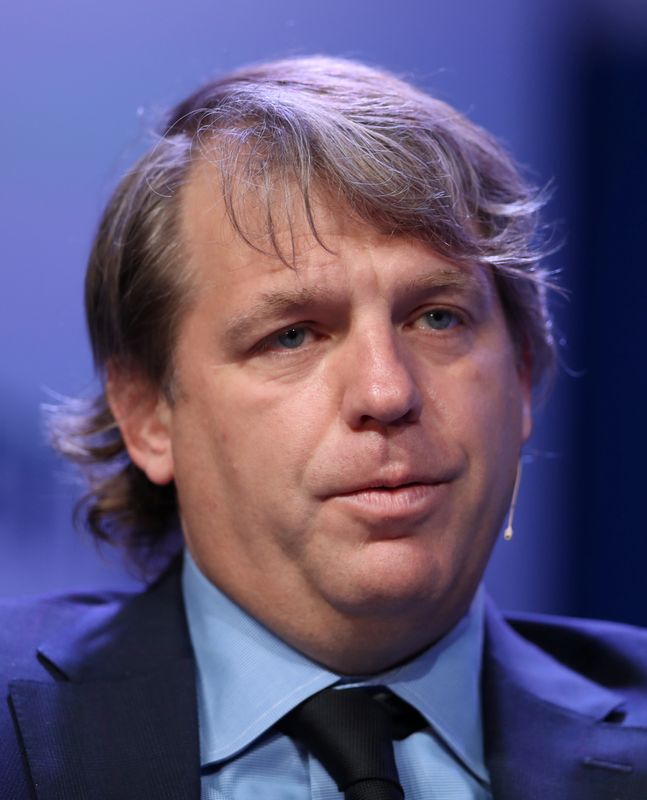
column 380, row 387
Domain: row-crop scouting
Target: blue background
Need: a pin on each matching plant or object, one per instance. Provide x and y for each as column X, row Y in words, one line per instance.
column 563, row 84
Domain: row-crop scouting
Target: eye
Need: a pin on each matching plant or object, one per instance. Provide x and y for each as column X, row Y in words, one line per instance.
column 440, row 319
column 292, row 338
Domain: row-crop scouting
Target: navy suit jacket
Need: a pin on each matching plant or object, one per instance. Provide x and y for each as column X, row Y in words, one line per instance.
column 99, row 702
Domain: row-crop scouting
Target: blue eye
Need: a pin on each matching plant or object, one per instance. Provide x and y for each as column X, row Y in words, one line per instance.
column 292, row 338
column 440, row 319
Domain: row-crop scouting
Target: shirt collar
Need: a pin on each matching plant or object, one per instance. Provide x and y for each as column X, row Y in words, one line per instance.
column 248, row 678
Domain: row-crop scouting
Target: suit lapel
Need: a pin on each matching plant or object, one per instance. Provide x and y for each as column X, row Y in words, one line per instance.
column 122, row 721
column 550, row 732
column 126, row 739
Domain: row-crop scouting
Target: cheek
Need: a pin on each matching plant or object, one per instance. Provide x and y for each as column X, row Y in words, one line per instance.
column 486, row 404
column 263, row 430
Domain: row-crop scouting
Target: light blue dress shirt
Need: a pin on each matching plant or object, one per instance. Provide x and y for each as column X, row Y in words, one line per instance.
column 248, row 679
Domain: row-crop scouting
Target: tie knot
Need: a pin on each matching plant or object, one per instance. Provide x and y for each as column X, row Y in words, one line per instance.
column 351, row 734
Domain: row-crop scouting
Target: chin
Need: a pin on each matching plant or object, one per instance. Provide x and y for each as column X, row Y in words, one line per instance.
column 390, row 586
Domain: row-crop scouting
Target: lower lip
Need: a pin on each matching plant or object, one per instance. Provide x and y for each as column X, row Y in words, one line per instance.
column 401, row 503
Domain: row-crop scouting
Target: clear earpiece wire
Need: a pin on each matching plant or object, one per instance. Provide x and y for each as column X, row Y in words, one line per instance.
column 507, row 533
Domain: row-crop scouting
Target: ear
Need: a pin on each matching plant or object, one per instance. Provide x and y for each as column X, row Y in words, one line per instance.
column 144, row 418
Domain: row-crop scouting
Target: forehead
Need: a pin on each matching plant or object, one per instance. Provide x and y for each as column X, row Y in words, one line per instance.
column 287, row 250
column 268, row 220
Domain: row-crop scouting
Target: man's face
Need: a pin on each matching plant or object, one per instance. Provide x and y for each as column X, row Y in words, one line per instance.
column 346, row 433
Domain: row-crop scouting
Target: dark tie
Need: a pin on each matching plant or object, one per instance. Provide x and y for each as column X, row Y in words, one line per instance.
column 351, row 733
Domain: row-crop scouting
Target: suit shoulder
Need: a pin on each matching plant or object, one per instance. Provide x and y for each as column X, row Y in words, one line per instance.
column 612, row 654
column 26, row 621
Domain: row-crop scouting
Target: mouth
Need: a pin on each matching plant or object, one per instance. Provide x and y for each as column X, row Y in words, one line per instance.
column 387, row 486
column 393, row 501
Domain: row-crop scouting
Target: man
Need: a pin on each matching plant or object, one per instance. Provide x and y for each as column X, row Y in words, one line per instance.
column 319, row 317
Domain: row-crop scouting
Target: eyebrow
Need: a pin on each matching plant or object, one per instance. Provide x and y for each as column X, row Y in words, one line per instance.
column 449, row 279
column 272, row 305
column 282, row 303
